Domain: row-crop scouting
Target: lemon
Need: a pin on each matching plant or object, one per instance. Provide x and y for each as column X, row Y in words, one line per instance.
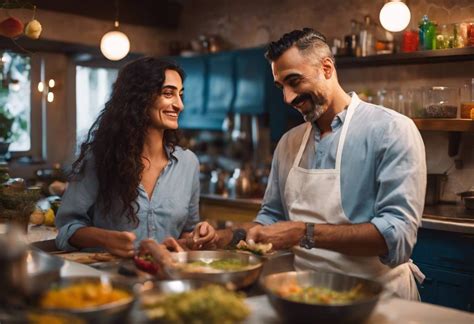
column 49, row 217
column 37, row 217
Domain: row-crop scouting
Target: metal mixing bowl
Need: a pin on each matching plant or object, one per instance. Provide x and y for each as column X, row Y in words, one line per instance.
column 297, row 312
column 231, row 279
column 108, row 313
column 43, row 269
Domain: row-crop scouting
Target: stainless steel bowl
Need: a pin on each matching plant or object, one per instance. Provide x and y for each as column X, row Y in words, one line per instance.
column 42, row 270
column 108, row 313
column 291, row 311
column 231, row 279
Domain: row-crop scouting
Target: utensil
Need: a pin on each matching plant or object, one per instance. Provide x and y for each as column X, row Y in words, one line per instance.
column 352, row 312
column 231, row 279
column 109, row 313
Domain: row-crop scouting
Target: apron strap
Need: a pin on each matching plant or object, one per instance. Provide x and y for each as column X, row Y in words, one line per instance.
column 297, row 160
column 350, row 112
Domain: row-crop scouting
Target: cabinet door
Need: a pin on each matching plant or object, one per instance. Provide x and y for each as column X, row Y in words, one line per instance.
column 220, row 92
column 194, row 88
column 445, row 249
column 447, row 288
column 252, row 75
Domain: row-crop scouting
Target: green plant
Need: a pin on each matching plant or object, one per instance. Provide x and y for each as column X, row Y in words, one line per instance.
column 6, row 123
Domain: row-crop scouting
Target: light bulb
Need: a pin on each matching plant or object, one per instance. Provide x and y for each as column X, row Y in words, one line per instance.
column 40, row 86
column 395, row 16
column 51, row 83
column 115, row 45
column 50, row 97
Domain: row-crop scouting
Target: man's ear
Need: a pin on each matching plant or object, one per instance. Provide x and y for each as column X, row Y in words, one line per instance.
column 328, row 67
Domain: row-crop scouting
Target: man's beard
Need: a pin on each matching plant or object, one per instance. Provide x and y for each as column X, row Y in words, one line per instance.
column 316, row 110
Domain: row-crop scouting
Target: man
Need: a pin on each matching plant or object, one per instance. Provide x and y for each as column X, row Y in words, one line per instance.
column 347, row 187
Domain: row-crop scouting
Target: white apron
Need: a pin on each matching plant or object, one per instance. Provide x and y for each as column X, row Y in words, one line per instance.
column 315, row 196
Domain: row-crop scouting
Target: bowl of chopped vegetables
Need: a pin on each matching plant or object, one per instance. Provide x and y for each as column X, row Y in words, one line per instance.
column 325, row 296
column 191, row 301
column 233, row 269
column 95, row 299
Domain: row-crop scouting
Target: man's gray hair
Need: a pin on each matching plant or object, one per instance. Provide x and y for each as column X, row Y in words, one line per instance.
column 309, row 42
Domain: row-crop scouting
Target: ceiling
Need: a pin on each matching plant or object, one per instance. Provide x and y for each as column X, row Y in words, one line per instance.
column 152, row 13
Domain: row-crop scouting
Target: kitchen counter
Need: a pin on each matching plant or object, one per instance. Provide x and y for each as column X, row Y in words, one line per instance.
column 448, row 217
column 388, row 311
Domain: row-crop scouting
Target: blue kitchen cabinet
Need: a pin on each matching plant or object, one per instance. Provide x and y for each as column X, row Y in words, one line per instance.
column 238, row 82
column 253, row 74
column 208, row 90
column 194, row 91
column 221, row 89
column 447, row 260
column 446, row 287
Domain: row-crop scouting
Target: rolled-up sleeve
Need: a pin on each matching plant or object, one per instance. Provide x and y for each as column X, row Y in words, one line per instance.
column 193, row 216
column 77, row 201
column 272, row 210
column 401, row 182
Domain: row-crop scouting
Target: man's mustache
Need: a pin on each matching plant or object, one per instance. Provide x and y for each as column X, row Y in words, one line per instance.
column 300, row 99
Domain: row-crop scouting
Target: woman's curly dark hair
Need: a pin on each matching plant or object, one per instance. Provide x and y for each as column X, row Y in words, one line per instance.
column 117, row 136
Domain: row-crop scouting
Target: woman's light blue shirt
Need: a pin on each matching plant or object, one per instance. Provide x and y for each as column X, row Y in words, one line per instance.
column 172, row 209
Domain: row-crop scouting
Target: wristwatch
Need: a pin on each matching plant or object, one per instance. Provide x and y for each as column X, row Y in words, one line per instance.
column 238, row 235
column 307, row 241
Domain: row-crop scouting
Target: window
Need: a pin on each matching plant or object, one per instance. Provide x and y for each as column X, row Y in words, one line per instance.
column 93, row 88
column 15, row 98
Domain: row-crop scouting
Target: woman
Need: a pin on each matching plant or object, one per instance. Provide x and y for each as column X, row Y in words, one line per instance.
column 132, row 181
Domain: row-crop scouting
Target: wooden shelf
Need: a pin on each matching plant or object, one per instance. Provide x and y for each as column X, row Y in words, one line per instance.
column 419, row 57
column 447, row 125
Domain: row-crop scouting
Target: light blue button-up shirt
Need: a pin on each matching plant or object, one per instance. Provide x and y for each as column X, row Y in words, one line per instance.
column 172, row 209
column 383, row 174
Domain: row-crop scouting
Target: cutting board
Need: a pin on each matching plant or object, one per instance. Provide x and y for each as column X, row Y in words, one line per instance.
column 88, row 257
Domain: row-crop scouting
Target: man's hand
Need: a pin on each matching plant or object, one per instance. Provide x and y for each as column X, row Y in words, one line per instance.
column 159, row 252
column 204, row 236
column 120, row 243
column 282, row 235
column 174, row 245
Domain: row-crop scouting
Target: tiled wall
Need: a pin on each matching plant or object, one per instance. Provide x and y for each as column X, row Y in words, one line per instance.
column 247, row 23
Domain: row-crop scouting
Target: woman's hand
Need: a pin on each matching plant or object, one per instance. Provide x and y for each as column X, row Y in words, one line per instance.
column 120, row 243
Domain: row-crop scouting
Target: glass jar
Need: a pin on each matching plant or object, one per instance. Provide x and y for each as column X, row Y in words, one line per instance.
column 467, row 99
column 440, row 102
column 410, row 41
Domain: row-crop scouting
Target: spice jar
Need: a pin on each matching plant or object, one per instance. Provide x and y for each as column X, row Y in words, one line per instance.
column 440, row 102
column 467, row 100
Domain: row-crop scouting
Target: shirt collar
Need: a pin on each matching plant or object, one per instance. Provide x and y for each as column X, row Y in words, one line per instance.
column 171, row 158
column 336, row 122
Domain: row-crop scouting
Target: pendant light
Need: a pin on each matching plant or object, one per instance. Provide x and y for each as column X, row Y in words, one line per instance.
column 395, row 16
column 115, row 44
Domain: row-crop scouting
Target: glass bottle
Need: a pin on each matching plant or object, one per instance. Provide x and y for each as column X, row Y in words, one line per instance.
column 366, row 37
column 427, row 33
column 352, row 40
